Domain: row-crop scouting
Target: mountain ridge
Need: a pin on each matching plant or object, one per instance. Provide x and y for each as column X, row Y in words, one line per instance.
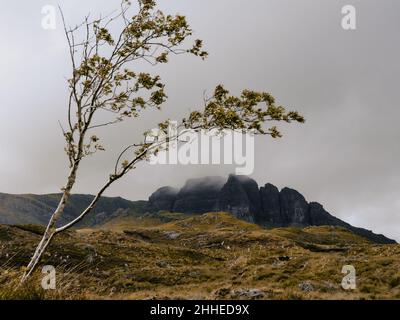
column 37, row 209
column 242, row 197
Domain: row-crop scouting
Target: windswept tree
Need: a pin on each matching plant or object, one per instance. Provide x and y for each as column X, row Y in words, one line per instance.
column 104, row 81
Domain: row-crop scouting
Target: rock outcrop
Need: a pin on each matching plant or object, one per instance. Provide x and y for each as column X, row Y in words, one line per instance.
column 270, row 215
column 294, row 208
column 162, row 200
column 241, row 196
column 199, row 195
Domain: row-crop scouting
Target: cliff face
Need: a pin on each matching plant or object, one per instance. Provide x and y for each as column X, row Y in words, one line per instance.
column 199, row 195
column 241, row 196
column 270, row 202
column 163, row 199
column 294, row 208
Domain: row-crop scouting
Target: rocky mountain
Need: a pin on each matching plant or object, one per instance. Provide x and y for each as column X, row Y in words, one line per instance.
column 241, row 196
column 198, row 195
column 238, row 195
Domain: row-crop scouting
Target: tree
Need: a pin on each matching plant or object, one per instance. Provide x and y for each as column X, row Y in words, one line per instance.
column 103, row 82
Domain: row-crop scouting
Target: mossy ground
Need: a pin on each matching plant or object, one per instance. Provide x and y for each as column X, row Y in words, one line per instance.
column 212, row 256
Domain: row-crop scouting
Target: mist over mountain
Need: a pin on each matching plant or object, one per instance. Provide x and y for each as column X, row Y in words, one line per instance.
column 239, row 195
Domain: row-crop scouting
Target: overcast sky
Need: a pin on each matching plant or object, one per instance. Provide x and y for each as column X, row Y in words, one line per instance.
column 346, row 83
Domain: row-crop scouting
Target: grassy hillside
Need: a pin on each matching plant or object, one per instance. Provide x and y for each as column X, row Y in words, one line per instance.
column 37, row 209
column 212, row 256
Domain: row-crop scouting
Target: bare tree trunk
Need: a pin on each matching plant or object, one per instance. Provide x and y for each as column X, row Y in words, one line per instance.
column 50, row 229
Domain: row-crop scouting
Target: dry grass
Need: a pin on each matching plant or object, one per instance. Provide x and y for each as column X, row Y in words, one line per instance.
column 213, row 256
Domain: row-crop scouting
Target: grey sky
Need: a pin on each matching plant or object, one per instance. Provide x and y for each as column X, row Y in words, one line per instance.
column 346, row 83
